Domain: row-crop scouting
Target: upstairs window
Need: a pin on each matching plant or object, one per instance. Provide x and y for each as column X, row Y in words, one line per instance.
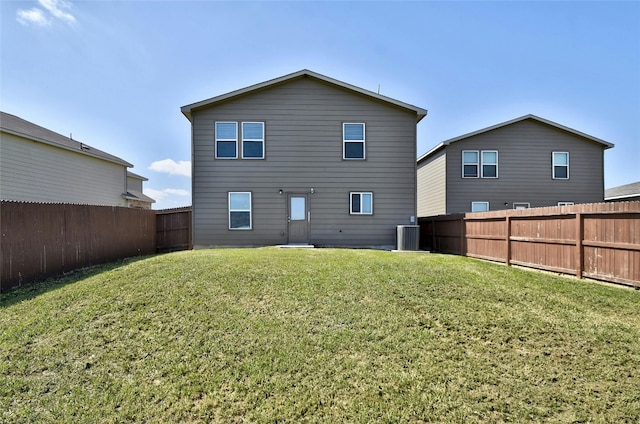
column 560, row 165
column 353, row 141
column 240, row 210
column 489, row 164
column 226, row 140
column 470, row 163
column 253, row 140
column 361, row 203
column 483, row 164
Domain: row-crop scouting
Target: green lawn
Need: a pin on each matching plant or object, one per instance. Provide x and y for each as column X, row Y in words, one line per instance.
column 318, row 335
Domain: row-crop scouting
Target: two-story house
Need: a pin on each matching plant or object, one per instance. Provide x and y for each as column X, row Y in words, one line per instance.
column 39, row 165
column 302, row 159
column 526, row 162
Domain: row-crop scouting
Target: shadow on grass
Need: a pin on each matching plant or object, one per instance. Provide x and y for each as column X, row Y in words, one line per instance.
column 35, row 289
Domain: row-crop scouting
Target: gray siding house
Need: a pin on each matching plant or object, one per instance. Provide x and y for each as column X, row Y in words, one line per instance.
column 39, row 165
column 526, row 162
column 302, row 159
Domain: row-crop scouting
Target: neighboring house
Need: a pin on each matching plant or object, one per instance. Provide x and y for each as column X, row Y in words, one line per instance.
column 302, row 159
column 623, row 193
column 135, row 197
column 39, row 165
column 522, row 163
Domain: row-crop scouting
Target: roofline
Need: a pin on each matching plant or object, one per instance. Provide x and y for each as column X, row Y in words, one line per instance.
column 134, row 175
column 624, row 196
column 605, row 144
column 536, row 118
column 187, row 109
column 60, row 146
column 135, row 195
column 434, row 150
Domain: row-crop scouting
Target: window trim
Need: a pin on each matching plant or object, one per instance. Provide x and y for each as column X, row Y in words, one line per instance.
column 553, row 166
column 482, row 152
column 526, row 204
column 250, row 210
column 479, row 202
column 261, row 140
column 363, row 141
column 566, row 203
column 476, row 163
column 235, row 140
column 360, row 193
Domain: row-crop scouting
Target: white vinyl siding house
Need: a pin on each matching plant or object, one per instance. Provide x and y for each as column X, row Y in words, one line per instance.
column 39, row 165
column 526, row 161
column 322, row 149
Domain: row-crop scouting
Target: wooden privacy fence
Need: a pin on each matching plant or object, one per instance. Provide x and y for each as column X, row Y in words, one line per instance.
column 41, row 240
column 173, row 229
column 599, row 240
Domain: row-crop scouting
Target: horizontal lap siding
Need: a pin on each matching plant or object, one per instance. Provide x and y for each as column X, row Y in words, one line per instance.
column 37, row 172
column 432, row 185
column 303, row 149
column 524, row 170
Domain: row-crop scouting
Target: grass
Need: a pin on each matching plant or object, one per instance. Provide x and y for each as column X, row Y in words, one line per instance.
column 323, row 335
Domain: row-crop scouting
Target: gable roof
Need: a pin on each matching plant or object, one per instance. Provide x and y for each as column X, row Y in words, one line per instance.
column 623, row 191
column 137, row 195
column 186, row 110
column 605, row 144
column 136, row 176
column 14, row 125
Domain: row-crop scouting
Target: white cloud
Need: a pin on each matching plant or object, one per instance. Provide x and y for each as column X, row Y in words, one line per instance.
column 36, row 16
column 155, row 194
column 55, row 7
column 161, row 194
column 171, row 167
column 169, row 198
column 33, row 16
column 177, row 192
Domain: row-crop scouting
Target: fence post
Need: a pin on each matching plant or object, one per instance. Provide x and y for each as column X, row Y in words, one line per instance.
column 463, row 250
column 508, row 238
column 579, row 249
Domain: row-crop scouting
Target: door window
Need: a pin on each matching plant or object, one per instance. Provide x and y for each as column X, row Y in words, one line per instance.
column 298, row 209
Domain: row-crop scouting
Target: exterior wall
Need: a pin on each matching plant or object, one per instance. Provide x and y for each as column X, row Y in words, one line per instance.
column 303, row 150
column 432, row 185
column 37, row 172
column 525, row 169
column 134, row 184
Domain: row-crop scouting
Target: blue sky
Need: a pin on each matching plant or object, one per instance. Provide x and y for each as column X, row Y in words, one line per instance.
column 115, row 73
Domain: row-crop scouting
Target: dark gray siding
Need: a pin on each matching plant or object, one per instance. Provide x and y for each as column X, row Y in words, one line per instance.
column 524, row 173
column 303, row 144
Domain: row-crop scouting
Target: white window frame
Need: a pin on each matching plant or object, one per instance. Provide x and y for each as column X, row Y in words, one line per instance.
column 261, row 140
column 491, row 164
column 363, row 141
column 553, row 166
column 566, row 203
column 361, row 194
column 479, row 203
column 476, row 163
column 250, row 210
column 526, row 205
column 235, row 140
